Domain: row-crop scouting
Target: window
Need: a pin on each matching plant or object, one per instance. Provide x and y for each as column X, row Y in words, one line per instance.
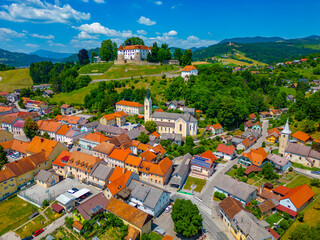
column 6, row 187
column 27, row 175
column 180, row 127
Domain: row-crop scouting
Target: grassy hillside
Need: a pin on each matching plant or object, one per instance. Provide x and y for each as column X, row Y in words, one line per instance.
column 13, row 79
column 132, row 70
column 95, row 68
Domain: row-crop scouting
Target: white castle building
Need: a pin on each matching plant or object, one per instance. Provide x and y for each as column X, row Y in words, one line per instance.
column 133, row 52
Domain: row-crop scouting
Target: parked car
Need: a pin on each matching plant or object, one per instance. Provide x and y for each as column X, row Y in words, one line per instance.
column 316, row 172
column 28, row 238
column 38, row 232
column 75, row 189
column 160, row 231
column 168, row 209
column 71, row 191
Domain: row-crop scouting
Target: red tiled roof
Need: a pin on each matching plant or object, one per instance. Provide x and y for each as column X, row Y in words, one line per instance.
column 157, row 135
column 62, row 159
column 208, row 154
column 148, row 156
column 252, row 168
column 96, row 137
column 256, row 156
column 65, row 106
column 287, row 210
column 274, row 233
column 299, row 195
column 120, row 154
column 282, row 190
column 226, row 149
column 188, row 68
column 252, row 116
column 130, row 104
column 301, row 136
column 56, row 207
column 216, row 126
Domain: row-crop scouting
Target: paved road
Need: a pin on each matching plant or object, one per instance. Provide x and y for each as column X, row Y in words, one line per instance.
column 168, row 74
column 306, row 173
column 53, row 226
column 262, row 139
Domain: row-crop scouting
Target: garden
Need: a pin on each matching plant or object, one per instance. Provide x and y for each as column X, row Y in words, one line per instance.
column 197, row 182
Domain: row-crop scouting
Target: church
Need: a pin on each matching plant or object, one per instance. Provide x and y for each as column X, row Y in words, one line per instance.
column 178, row 123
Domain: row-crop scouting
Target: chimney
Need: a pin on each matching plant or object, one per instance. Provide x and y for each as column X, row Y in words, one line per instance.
column 41, row 140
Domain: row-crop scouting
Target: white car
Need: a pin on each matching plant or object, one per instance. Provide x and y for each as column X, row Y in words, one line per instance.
column 71, row 191
column 168, row 209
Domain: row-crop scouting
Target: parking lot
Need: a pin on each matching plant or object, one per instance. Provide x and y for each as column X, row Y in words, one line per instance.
column 37, row 194
column 165, row 222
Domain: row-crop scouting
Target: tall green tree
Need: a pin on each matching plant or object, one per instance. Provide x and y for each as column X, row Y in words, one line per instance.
column 186, row 58
column 133, row 41
column 108, row 50
column 151, row 126
column 186, row 218
column 144, row 138
column 93, row 54
column 177, row 55
column 83, row 57
column 30, row 128
column 3, row 157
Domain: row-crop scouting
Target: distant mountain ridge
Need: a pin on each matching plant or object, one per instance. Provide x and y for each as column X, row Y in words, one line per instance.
column 51, row 54
column 257, row 39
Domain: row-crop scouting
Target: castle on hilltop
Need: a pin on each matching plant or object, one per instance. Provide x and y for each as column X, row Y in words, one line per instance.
column 132, row 54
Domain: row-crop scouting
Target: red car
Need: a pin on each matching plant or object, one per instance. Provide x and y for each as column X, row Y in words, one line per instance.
column 38, row 232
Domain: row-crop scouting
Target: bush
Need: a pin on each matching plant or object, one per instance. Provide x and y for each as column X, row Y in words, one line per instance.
column 235, row 166
column 45, row 203
column 219, row 195
column 300, row 216
column 240, row 171
column 251, row 175
column 284, row 224
column 290, row 169
column 69, row 222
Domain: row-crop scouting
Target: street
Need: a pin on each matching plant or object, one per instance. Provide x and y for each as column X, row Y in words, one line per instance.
column 262, row 139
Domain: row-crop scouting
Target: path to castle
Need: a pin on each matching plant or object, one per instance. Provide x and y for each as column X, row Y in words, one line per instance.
column 168, row 74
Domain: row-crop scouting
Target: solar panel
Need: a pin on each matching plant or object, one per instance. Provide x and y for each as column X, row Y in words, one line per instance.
column 96, row 208
column 201, row 163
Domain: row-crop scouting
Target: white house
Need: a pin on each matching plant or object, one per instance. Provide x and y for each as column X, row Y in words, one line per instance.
column 189, row 70
column 132, row 51
column 225, row 152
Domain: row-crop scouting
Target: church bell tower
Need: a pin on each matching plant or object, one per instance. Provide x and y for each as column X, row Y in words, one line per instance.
column 147, row 106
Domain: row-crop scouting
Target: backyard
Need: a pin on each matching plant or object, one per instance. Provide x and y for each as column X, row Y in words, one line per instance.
column 199, row 183
column 14, row 212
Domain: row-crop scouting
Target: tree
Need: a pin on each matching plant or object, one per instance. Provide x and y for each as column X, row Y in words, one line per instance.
column 263, row 145
column 267, row 171
column 151, row 126
column 177, row 55
column 145, row 236
column 45, row 203
column 186, row 58
column 45, row 135
column 69, row 222
column 144, row 138
column 108, row 50
column 21, row 104
column 240, row 171
column 133, row 41
column 83, row 57
column 300, row 216
column 186, row 218
column 3, row 157
column 93, row 54
column 30, row 128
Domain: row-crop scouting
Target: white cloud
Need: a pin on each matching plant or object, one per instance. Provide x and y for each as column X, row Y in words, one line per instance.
column 53, row 44
column 146, row 21
column 43, row 12
column 99, row 1
column 84, row 35
column 7, row 34
column 158, row 2
column 193, row 38
column 172, row 33
column 32, row 45
column 97, row 28
column 142, row 32
column 42, row 36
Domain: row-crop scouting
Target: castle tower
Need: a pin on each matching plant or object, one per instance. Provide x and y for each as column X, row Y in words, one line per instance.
column 284, row 138
column 120, row 53
column 147, row 106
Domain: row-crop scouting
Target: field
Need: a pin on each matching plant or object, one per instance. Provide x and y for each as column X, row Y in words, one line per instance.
column 255, row 62
column 95, row 68
column 13, row 213
column 238, row 61
column 133, row 70
column 15, row 79
column 195, row 181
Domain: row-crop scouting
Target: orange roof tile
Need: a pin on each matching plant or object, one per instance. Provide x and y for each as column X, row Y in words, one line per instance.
column 167, row 237
column 258, row 124
column 256, row 156
column 159, row 110
column 208, row 154
column 159, row 149
column 144, row 147
column 216, row 126
column 299, row 195
column 301, row 136
column 114, row 115
column 77, row 225
column 148, row 156
column 283, row 190
column 133, row 160
column 16, row 145
column 119, row 183
column 131, row 47
column 159, row 169
column 226, row 149
column 5, row 109
column 49, row 125
column 104, row 147
column 63, row 130
column 65, row 106
column 120, row 154
column 6, row 174
column 68, row 119
column 117, row 172
column 135, row 143
column 157, row 135
column 188, row 68
column 38, row 144
column 62, row 159
column 96, row 137
column 252, row 115
column 130, row 104
column 82, row 161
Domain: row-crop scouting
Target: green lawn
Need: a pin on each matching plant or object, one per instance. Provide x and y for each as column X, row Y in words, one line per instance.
column 288, row 90
column 14, row 79
column 133, row 70
column 13, row 213
column 28, row 229
column 95, row 68
column 155, row 236
column 298, row 165
column 232, row 172
column 274, row 218
column 52, row 215
column 195, row 181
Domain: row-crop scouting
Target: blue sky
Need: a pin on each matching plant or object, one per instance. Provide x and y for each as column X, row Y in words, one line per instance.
column 68, row 25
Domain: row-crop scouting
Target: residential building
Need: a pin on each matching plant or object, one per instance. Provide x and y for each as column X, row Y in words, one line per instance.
column 281, row 191
column 189, row 70
column 148, row 198
column 37, row 106
column 46, row 179
column 135, row 218
column 129, row 107
column 268, row 206
column 240, row 191
column 92, row 206
column 66, row 109
column 7, row 122
column 156, row 172
column 41, row 87
column 302, row 154
column 67, row 201
column 51, row 148
column 80, row 165
column 118, row 157
column 4, row 110
column 301, row 137
column 255, row 157
column 215, row 128
column 281, row 164
column 13, row 97
column 111, row 131
column 241, row 223
column 180, row 174
column 148, row 156
column 132, row 163
column 176, row 104
column 296, row 200
column 291, row 98
column 59, row 163
column 135, row 133
column 90, row 127
column 246, row 142
column 257, row 126
column 117, row 118
column 92, row 140
column 203, row 166
column 184, row 124
column 77, row 227
column 225, row 152
column 47, row 93
column 5, row 136
column 248, row 124
column 253, row 117
column 17, row 128
column 71, row 120
column 14, row 146
column 8, row 184
column 173, row 137
column 49, row 126
column 273, row 135
column 103, row 150
column 100, row 174
column 132, row 52
column 121, row 141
